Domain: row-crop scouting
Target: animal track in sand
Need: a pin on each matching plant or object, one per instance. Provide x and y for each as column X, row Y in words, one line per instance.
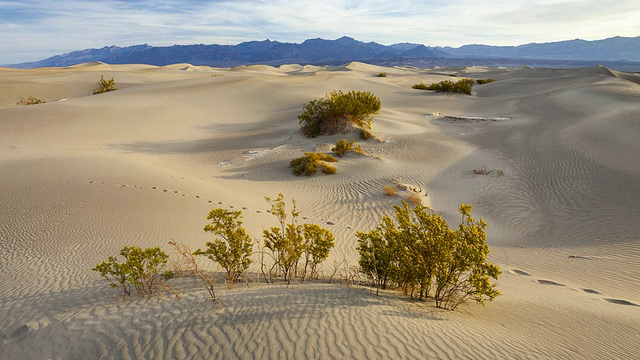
column 245, row 208
column 591, row 291
column 582, row 257
column 549, row 282
column 620, row 302
column 520, row 272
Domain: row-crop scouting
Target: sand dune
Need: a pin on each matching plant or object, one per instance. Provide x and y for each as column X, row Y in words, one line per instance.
column 83, row 177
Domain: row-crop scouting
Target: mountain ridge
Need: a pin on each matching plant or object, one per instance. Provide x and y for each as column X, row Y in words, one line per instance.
column 320, row 51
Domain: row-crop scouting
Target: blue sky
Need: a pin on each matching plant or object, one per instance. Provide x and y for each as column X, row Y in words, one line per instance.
column 33, row 30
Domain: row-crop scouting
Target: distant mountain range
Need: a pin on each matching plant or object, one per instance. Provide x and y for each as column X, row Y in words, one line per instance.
column 622, row 52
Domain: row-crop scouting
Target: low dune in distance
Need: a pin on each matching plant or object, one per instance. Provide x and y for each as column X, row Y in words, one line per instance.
column 83, row 175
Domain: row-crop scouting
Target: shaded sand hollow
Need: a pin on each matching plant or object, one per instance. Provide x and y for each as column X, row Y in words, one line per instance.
column 82, row 176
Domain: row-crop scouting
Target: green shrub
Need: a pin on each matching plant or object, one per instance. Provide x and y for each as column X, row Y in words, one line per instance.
column 103, row 85
column 142, row 269
column 308, row 164
column 328, row 169
column 485, row 81
column 382, row 74
column 418, row 253
column 462, row 86
column 291, row 243
column 234, row 247
column 337, row 111
column 30, row 101
column 342, row 146
column 365, row 134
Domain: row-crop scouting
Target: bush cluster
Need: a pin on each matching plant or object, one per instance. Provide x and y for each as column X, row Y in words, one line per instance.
column 342, row 146
column 103, row 85
column 485, row 81
column 308, row 164
column 31, row 100
column 337, row 111
column 462, row 86
column 382, row 74
column 142, row 268
column 420, row 254
column 296, row 249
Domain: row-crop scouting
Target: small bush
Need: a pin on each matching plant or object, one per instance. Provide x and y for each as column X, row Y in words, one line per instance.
column 328, row 169
column 365, row 134
column 342, row 146
column 462, row 86
column 390, row 190
column 103, row 85
column 413, row 198
column 308, row 164
column 337, row 111
column 234, row 247
column 295, row 249
column 485, row 81
column 188, row 264
column 382, row 74
column 142, row 269
column 30, row 101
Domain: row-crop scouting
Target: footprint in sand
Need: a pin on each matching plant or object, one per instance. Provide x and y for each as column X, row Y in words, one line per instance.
column 620, row 302
column 549, row 282
column 520, row 272
column 591, row 291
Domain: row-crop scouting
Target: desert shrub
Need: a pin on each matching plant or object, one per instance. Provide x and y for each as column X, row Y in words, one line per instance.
column 233, row 248
column 328, row 169
column 421, row 86
column 462, row 86
column 31, row 100
column 365, row 134
column 453, row 75
column 382, row 74
column 308, row 164
column 291, row 242
column 420, row 254
column 342, row 146
column 413, row 198
column 144, row 269
column 389, row 190
column 337, row 111
column 188, row 264
column 103, row 85
column 485, row 81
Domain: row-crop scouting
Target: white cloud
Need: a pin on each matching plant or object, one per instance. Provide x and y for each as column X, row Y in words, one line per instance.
column 36, row 29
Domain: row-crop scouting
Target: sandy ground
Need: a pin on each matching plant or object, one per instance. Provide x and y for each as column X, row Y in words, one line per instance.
column 82, row 176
